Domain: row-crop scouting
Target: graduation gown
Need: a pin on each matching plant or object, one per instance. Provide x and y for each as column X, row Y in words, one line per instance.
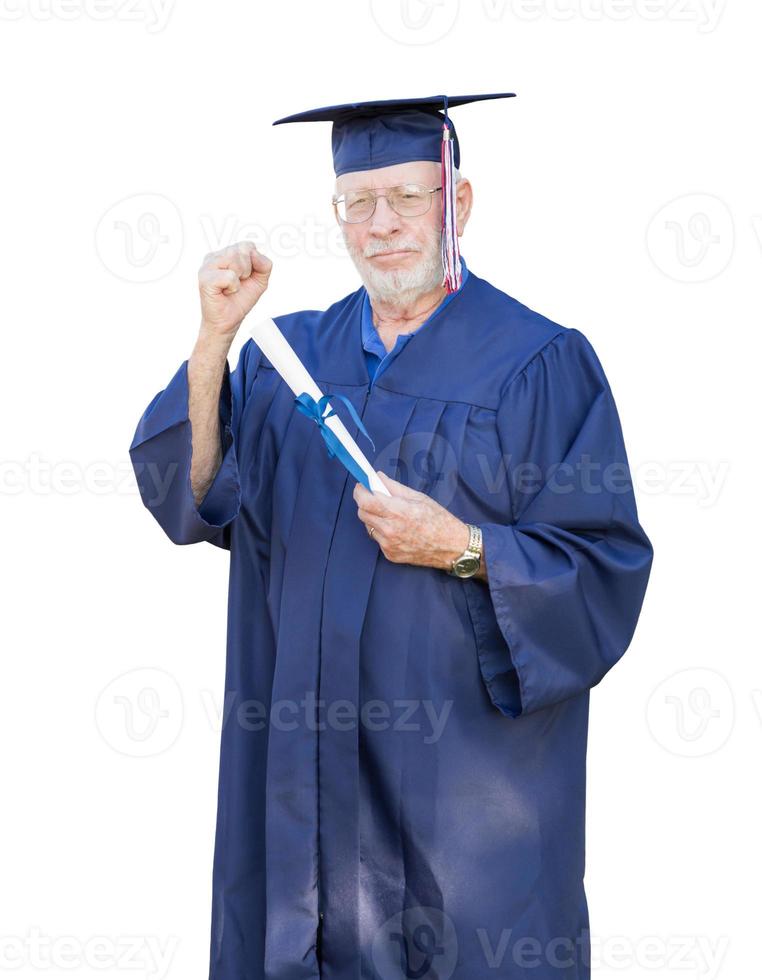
column 402, row 768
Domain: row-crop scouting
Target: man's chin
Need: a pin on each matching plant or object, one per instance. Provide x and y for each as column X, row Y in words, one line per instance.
column 398, row 278
column 390, row 285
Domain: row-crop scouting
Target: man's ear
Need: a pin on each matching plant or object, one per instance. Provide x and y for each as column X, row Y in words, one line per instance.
column 464, row 199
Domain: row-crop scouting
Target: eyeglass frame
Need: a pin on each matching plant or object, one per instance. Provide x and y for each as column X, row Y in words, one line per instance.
column 338, row 200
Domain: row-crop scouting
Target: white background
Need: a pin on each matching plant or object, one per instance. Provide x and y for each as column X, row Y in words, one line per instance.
column 619, row 193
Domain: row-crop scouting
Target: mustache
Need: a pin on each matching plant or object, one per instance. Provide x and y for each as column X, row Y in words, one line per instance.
column 383, row 248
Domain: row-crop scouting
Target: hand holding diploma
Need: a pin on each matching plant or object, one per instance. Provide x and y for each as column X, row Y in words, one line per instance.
column 411, row 528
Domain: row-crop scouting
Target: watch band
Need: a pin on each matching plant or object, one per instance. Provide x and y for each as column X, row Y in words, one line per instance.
column 473, row 552
column 475, row 541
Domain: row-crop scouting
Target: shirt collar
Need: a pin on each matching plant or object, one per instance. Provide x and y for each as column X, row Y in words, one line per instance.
column 371, row 340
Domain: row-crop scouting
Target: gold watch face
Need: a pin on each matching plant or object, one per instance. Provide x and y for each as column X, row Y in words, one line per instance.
column 466, row 566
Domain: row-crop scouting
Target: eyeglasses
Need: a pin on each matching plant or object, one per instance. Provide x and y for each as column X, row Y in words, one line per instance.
column 407, row 200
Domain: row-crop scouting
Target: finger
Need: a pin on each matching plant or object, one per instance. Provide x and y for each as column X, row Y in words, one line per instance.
column 220, row 281
column 361, row 494
column 377, row 506
column 242, row 259
column 259, row 262
column 398, row 489
column 370, row 519
column 378, row 503
column 236, row 257
column 378, row 533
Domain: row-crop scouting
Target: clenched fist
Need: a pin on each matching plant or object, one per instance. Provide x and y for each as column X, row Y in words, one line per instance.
column 231, row 282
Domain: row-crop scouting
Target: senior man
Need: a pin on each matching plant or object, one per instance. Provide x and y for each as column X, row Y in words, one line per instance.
column 402, row 768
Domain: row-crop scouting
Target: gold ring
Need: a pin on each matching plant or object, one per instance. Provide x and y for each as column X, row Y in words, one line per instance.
column 370, row 531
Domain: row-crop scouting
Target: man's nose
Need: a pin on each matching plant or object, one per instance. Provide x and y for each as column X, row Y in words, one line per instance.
column 384, row 219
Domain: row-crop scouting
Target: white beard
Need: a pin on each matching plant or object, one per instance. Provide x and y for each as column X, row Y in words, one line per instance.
column 400, row 287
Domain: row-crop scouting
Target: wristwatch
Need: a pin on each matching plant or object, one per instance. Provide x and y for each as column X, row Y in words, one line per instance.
column 467, row 564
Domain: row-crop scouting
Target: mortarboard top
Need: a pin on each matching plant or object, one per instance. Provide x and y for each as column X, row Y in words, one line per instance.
column 370, row 135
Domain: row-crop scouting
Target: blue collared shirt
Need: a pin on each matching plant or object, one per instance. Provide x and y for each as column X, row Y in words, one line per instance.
column 376, row 355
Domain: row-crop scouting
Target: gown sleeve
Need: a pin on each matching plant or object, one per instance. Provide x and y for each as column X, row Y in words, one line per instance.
column 161, row 456
column 568, row 570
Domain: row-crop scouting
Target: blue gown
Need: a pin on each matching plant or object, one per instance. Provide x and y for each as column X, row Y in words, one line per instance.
column 426, row 818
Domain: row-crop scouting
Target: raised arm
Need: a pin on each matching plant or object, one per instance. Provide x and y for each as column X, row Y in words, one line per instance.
column 183, row 451
column 206, row 369
column 230, row 283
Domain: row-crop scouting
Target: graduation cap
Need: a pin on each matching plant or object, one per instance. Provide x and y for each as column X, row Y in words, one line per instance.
column 369, row 135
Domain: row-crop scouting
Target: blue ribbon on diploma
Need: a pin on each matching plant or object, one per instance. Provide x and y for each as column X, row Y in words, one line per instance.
column 316, row 411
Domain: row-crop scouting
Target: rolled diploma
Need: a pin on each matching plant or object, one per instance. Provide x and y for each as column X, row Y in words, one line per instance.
column 284, row 359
